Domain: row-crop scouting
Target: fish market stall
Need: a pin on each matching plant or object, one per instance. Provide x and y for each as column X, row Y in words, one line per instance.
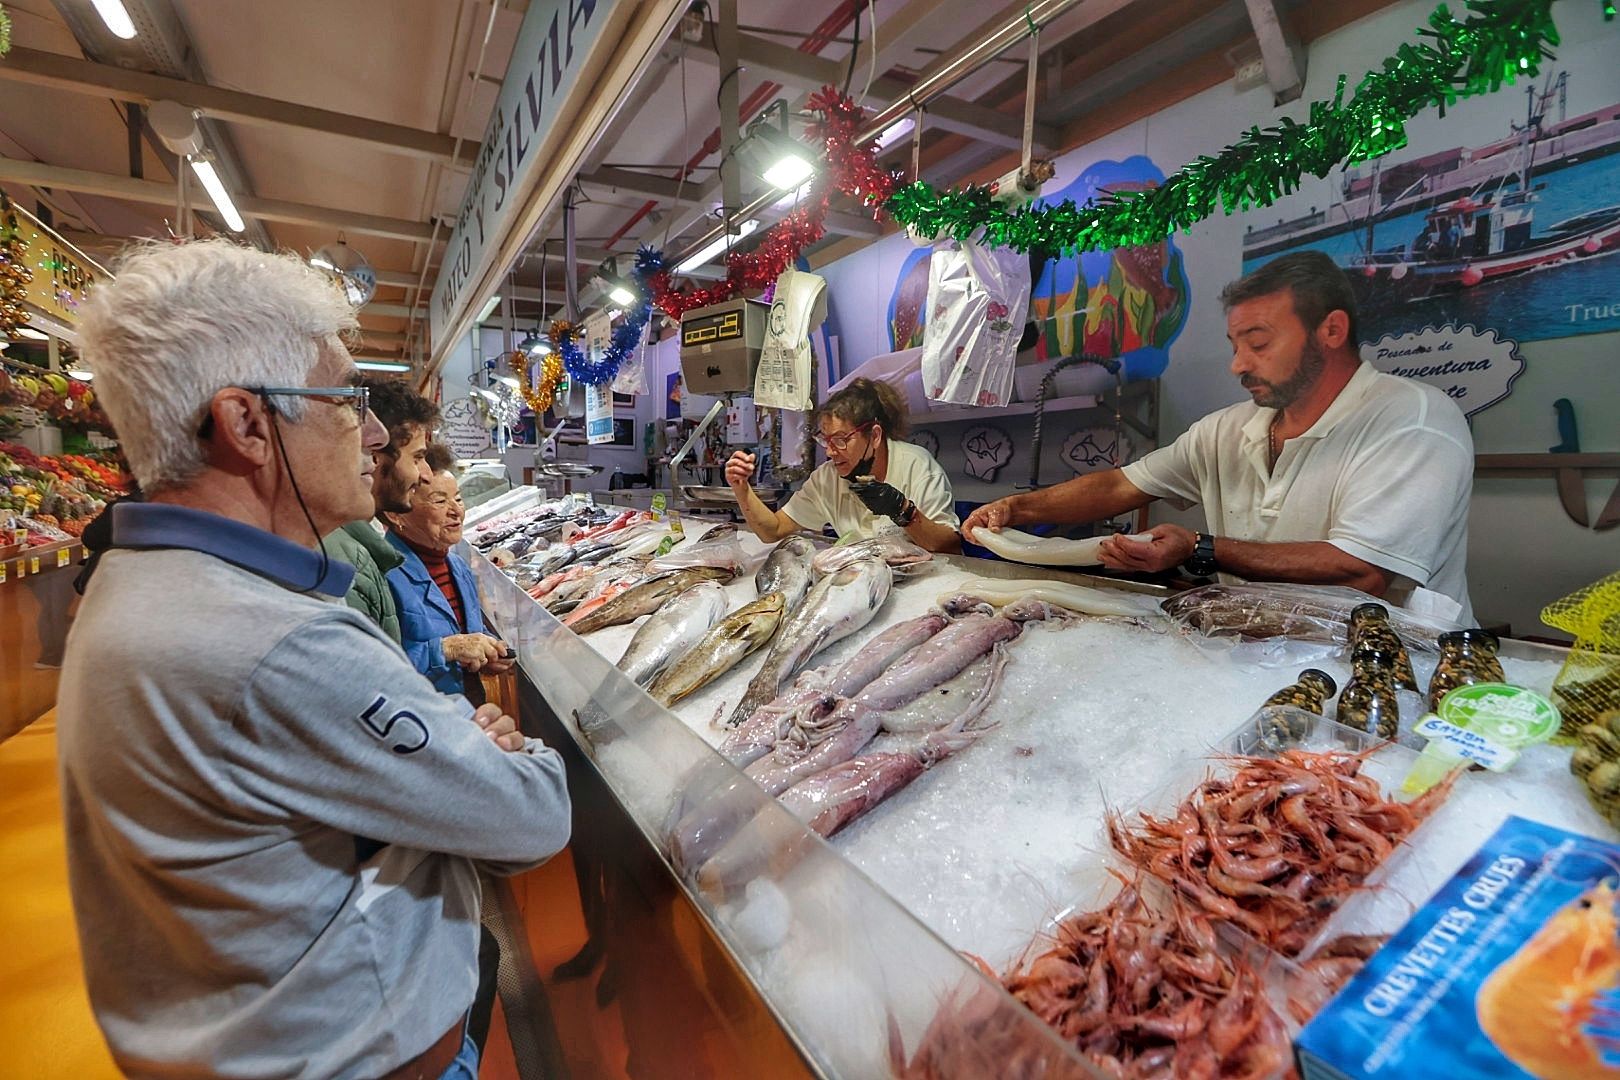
column 962, row 759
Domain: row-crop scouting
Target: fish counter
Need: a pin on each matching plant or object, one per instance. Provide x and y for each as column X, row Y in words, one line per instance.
column 890, row 783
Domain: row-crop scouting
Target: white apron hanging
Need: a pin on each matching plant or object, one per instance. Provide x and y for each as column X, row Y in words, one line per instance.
column 798, row 306
column 978, row 302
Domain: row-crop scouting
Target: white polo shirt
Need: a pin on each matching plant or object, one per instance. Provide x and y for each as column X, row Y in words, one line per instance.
column 1385, row 475
column 826, row 499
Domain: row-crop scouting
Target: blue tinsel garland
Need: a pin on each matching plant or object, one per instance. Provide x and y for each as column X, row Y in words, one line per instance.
column 626, row 336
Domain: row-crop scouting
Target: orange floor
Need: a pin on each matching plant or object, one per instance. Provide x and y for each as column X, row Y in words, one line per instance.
column 46, row 1028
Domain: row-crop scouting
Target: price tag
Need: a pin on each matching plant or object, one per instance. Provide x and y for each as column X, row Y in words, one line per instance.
column 19, row 536
column 63, row 557
column 658, row 505
column 2, row 573
column 33, row 565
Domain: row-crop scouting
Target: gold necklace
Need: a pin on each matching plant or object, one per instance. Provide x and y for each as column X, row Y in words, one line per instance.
column 1271, row 439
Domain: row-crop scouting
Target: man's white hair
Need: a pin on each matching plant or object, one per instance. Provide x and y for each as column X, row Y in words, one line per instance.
column 180, row 322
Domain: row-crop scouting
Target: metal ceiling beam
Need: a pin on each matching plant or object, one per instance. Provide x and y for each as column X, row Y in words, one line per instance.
column 151, row 191
column 1284, row 60
column 38, row 68
column 812, row 72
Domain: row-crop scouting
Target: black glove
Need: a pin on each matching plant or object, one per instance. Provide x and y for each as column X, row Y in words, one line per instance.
column 882, row 499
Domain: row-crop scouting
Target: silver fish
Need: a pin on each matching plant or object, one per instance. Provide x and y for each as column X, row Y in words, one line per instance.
column 815, row 693
column 787, row 570
column 672, row 630
column 836, row 607
column 648, row 596
column 733, row 638
column 893, row 546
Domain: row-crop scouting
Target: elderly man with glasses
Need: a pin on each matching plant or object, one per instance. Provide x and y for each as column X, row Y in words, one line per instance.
column 274, row 823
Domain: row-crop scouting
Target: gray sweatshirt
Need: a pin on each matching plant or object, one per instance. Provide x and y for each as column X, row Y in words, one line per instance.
column 223, row 740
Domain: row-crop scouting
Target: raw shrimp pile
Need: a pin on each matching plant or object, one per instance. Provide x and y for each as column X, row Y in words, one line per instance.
column 1278, row 845
column 1328, row 969
column 1140, row 993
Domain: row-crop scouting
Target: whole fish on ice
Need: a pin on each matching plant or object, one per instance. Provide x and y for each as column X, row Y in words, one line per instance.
column 787, row 570
column 719, row 650
column 892, row 546
column 836, row 607
column 642, row 599
column 672, row 630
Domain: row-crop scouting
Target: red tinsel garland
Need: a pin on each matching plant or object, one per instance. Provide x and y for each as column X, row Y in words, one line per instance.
column 850, row 169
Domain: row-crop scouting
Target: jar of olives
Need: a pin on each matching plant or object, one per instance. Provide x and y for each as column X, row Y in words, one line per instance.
column 1309, row 692
column 1466, row 657
column 1370, row 629
column 1368, row 701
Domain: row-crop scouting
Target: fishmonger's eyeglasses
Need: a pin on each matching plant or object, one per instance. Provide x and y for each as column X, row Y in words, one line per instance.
column 357, row 398
column 839, row 442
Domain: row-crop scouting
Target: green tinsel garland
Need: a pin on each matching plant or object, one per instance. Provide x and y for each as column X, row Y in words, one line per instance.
column 5, row 31
column 1500, row 40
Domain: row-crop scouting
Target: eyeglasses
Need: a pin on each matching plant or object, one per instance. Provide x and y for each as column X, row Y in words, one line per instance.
column 357, row 398
column 839, row 442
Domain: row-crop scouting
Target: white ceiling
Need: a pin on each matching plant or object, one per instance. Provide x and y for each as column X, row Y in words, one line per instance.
column 411, row 63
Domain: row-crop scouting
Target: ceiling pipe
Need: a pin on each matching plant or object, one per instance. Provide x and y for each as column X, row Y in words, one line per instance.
column 1014, row 26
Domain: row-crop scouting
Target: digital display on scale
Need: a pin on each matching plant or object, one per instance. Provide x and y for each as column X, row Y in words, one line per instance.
column 706, row 329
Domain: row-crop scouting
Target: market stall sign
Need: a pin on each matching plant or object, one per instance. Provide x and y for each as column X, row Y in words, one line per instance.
column 63, row 275
column 1475, row 368
column 552, row 46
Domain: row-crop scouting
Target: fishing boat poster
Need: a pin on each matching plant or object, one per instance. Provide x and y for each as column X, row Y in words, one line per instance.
column 1505, row 215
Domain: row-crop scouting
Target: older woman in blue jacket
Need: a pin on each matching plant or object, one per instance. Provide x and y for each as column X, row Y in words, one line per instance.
column 441, row 625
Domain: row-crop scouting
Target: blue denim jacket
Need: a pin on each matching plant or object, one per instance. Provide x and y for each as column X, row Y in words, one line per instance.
column 426, row 618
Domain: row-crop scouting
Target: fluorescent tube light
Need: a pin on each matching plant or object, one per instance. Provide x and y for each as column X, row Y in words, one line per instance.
column 216, row 191
column 720, row 244
column 381, row 365
column 894, row 133
column 494, row 302
column 112, row 13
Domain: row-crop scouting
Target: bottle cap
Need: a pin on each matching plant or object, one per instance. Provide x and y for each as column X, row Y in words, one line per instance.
column 1317, row 675
column 1472, row 636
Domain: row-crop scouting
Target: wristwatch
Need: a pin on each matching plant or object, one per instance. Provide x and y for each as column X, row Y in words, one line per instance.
column 1201, row 563
column 907, row 514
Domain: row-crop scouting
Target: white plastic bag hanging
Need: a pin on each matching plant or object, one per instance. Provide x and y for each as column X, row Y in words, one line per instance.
column 978, row 300
column 632, row 376
column 798, row 306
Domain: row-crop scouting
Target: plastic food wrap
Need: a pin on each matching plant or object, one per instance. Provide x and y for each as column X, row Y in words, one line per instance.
column 719, row 548
column 1587, row 691
column 1241, row 615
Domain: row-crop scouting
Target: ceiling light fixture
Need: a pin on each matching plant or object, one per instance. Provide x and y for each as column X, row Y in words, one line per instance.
column 216, row 191
column 381, row 365
column 30, row 332
column 82, row 376
column 534, row 345
column 116, row 17
column 895, row 132
column 621, row 296
column 780, row 159
column 494, row 302
column 710, row 250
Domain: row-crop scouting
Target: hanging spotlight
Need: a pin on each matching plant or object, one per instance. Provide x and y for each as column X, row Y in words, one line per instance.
column 780, row 160
column 534, row 345
column 351, row 270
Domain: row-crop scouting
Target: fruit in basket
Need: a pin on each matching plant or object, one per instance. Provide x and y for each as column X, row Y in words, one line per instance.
column 48, row 519
column 57, row 383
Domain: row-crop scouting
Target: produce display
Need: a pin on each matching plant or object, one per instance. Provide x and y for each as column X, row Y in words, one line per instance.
column 66, row 401
column 62, row 492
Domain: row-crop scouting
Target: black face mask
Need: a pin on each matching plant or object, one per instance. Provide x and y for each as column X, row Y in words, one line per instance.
column 863, row 467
